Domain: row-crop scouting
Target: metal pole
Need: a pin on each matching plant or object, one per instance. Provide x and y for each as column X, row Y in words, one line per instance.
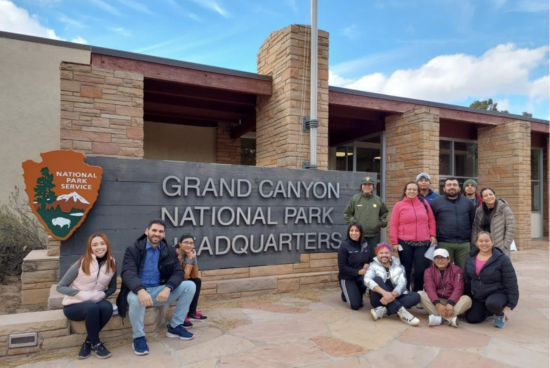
column 313, row 122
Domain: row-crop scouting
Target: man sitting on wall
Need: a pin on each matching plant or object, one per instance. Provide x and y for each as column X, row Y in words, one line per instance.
column 443, row 296
column 152, row 276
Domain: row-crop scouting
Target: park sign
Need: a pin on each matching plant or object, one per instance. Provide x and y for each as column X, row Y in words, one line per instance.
column 240, row 216
column 62, row 190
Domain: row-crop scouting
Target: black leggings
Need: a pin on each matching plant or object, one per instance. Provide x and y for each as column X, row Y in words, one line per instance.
column 353, row 291
column 414, row 255
column 403, row 300
column 494, row 304
column 96, row 316
column 195, row 301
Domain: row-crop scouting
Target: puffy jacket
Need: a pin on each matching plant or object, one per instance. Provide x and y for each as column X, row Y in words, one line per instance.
column 503, row 225
column 431, row 195
column 411, row 220
column 369, row 211
column 91, row 287
column 397, row 275
column 450, row 286
column 352, row 256
column 496, row 276
column 453, row 219
column 171, row 273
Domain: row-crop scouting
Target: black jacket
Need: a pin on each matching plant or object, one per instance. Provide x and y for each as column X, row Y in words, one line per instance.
column 351, row 258
column 453, row 219
column 171, row 273
column 496, row 276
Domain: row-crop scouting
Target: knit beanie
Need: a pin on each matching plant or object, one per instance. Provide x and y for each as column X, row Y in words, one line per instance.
column 469, row 181
column 423, row 176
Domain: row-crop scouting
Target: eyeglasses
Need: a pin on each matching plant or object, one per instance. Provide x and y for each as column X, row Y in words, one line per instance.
column 439, row 258
column 188, row 242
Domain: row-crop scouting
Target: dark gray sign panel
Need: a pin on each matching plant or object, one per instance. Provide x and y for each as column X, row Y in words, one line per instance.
column 240, row 216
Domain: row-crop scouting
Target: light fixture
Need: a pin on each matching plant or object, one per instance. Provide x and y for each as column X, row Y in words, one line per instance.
column 377, row 158
column 343, row 154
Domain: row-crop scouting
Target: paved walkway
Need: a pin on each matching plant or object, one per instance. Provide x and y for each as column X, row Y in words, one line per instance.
column 317, row 330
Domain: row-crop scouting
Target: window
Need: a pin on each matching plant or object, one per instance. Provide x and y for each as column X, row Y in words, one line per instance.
column 248, row 151
column 457, row 159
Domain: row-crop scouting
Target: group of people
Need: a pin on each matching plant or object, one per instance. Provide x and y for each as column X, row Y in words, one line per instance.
column 470, row 236
column 153, row 274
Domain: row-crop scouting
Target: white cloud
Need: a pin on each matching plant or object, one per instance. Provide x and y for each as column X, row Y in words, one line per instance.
column 70, row 21
column 352, row 32
column 502, row 70
column 136, row 6
column 122, row 31
column 79, row 40
column 214, row 6
column 503, row 105
column 18, row 20
column 103, row 5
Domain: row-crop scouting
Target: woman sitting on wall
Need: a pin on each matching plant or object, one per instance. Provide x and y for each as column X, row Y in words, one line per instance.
column 496, row 218
column 87, row 285
column 490, row 280
column 412, row 232
column 353, row 262
column 187, row 257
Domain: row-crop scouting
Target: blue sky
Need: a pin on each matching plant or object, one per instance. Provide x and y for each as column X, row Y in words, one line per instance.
column 451, row 51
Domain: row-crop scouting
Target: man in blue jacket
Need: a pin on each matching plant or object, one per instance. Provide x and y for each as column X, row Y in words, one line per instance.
column 454, row 215
column 424, row 181
column 152, row 276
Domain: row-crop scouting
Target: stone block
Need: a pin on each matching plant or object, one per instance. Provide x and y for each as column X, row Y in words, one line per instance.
column 54, row 333
column 228, row 272
column 134, row 92
column 55, row 299
column 245, row 285
column 314, row 279
column 271, row 270
column 32, row 322
column 131, row 152
column 286, row 285
column 129, row 111
column 61, row 342
column 128, row 75
column 323, row 262
column 70, row 85
column 135, row 133
column 39, row 276
column 34, row 296
column 27, row 350
column 333, row 255
column 53, row 250
column 101, row 148
column 304, row 258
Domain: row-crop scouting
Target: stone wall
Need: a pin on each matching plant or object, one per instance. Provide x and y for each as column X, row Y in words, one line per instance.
column 101, row 111
column 228, row 151
column 504, row 164
column 285, row 55
column 412, row 147
column 40, row 272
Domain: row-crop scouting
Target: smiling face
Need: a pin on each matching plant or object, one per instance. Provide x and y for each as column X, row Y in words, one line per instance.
column 187, row 245
column 411, row 191
column 354, row 233
column 424, row 184
column 155, row 234
column 99, row 247
column 488, row 197
column 484, row 243
column 451, row 188
column 384, row 256
column 441, row 262
column 367, row 188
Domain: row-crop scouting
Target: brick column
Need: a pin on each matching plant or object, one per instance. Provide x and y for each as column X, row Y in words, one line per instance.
column 285, row 55
column 412, row 147
column 504, row 164
column 101, row 111
column 228, row 151
column 546, row 188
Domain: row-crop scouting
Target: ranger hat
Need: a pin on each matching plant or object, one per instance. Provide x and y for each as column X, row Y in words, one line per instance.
column 367, row 180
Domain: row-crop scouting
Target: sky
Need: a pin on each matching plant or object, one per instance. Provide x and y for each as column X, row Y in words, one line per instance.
column 449, row 51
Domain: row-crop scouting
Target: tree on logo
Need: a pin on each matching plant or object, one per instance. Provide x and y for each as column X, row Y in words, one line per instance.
column 43, row 190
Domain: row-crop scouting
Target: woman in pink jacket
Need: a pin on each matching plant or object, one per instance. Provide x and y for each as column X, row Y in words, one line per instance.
column 412, row 232
column 87, row 285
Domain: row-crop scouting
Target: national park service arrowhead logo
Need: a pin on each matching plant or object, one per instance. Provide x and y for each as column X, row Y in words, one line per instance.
column 62, row 190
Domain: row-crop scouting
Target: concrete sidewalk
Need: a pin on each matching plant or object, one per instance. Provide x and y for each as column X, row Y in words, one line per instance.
column 316, row 329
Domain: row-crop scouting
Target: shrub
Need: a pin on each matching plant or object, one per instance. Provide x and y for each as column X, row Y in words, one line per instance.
column 20, row 233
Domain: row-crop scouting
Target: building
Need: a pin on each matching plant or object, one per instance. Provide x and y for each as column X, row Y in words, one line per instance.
column 106, row 102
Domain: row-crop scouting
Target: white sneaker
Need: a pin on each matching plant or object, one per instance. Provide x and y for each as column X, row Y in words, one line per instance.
column 407, row 317
column 452, row 321
column 379, row 312
column 434, row 320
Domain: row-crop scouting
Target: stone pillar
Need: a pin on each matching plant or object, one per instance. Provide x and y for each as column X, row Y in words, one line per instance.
column 53, row 247
column 412, row 147
column 546, row 188
column 228, row 151
column 101, row 111
column 504, row 164
column 285, row 55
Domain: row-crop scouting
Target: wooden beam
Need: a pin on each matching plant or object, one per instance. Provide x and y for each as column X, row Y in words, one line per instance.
column 199, row 104
column 191, row 112
column 183, row 75
column 354, row 113
column 246, row 126
column 168, row 119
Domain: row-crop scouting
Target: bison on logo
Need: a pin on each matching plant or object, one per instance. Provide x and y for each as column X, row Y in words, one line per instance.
column 62, row 190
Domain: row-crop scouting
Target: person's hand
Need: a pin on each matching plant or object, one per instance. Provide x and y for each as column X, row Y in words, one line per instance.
column 395, row 247
column 163, row 295
column 450, row 310
column 433, row 240
column 363, row 270
column 382, row 224
column 191, row 254
column 144, row 298
column 389, row 296
column 508, row 312
column 441, row 310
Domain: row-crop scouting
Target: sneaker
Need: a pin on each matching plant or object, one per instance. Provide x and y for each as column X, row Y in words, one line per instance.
column 101, row 351
column 453, row 322
column 85, row 350
column 179, row 332
column 140, row 346
column 407, row 317
column 434, row 320
column 499, row 321
column 419, row 306
column 197, row 316
column 187, row 323
column 379, row 312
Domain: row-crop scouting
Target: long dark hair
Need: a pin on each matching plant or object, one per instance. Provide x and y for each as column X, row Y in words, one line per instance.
column 360, row 228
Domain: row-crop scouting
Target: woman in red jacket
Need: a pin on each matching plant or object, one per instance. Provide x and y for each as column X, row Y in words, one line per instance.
column 412, row 232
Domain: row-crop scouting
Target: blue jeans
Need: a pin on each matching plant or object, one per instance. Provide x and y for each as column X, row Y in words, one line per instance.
column 183, row 294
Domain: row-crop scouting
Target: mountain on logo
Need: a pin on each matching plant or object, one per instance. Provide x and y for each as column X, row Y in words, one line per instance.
column 70, row 202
